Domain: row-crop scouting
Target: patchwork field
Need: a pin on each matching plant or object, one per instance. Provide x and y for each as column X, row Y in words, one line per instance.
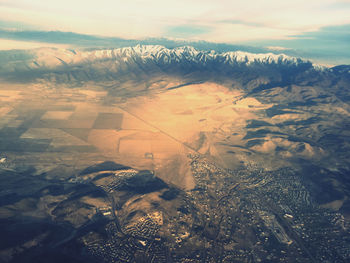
column 154, row 130
column 78, row 124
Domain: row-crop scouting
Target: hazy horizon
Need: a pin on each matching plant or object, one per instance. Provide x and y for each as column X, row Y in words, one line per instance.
column 316, row 30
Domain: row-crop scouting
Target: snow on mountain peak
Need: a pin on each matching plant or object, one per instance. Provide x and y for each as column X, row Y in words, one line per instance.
column 191, row 54
column 265, row 58
column 52, row 58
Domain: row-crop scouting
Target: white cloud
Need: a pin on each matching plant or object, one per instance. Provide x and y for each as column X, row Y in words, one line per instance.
column 6, row 44
column 140, row 18
column 278, row 48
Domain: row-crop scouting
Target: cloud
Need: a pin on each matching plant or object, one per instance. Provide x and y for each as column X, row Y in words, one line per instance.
column 66, row 38
column 330, row 44
column 291, row 24
column 75, row 40
column 7, row 44
column 327, row 45
column 15, row 25
column 339, row 5
column 187, row 31
column 228, row 20
column 340, row 33
column 277, row 48
column 241, row 22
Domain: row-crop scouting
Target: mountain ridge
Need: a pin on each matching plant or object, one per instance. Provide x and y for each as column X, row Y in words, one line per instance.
column 251, row 72
column 68, row 65
column 159, row 54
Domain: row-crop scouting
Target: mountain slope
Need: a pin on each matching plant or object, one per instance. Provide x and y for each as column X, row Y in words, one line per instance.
column 80, row 64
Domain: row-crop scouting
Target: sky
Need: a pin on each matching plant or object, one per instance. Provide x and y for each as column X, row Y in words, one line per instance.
column 276, row 24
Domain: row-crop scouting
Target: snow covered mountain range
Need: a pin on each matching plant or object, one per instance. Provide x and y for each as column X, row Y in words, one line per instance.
column 51, row 58
column 144, row 61
column 250, row 71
